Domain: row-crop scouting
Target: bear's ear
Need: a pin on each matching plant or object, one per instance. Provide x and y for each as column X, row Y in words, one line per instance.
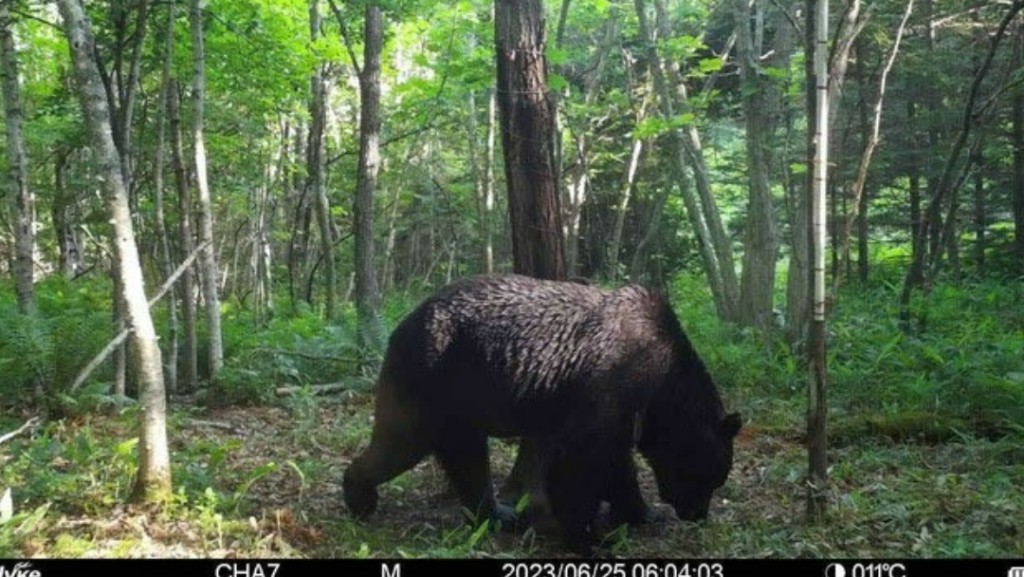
column 731, row 424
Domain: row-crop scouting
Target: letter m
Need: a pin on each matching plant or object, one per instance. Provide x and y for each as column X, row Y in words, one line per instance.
column 396, row 571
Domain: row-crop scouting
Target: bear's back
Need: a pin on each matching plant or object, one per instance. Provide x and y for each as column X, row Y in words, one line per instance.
column 539, row 335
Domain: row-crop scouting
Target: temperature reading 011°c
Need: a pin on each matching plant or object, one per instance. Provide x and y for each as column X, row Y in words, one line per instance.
column 878, row 570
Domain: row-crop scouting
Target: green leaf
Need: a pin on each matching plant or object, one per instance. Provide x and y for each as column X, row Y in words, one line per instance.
column 709, row 65
column 776, row 73
column 557, row 82
column 557, row 55
column 125, row 449
column 479, row 533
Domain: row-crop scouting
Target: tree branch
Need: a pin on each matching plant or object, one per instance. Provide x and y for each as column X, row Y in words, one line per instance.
column 29, row 424
column 120, row 338
column 396, row 138
column 346, row 37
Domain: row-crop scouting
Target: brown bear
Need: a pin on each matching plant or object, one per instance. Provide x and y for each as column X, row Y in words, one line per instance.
column 587, row 373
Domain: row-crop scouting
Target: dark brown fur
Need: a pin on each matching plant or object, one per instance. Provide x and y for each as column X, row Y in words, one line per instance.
column 565, row 363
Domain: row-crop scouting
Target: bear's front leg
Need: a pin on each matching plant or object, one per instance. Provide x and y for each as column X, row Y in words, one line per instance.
column 463, row 454
column 575, row 476
column 624, row 495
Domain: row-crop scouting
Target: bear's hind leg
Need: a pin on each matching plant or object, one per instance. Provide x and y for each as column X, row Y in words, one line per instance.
column 400, row 440
column 464, row 455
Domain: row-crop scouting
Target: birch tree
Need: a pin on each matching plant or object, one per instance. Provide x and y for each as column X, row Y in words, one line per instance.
column 153, row 481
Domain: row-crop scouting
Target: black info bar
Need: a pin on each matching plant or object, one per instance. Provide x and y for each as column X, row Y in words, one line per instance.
column 492, row 567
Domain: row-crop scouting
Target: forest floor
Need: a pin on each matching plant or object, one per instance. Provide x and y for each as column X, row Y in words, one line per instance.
column 265, row 482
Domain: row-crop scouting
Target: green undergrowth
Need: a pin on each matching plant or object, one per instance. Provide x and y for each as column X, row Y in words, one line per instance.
column 962, row 374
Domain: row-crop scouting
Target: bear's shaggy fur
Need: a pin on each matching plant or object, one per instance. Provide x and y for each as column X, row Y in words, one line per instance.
column 588, row 373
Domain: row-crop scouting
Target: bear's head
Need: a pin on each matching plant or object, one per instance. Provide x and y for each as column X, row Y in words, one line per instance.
column 690, row 461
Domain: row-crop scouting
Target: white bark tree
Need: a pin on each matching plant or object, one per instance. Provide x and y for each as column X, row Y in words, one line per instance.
column 208, row 268
column 153, row 482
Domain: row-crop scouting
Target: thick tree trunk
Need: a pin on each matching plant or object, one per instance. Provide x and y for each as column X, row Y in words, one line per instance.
column 18, row 192
column 166, row 260
column 316, row 168
column 208, row 260
column 153, row 482
column 527, row 135
column 367, row 296
column 760, row 247
column 190, row 353
column 798, row 282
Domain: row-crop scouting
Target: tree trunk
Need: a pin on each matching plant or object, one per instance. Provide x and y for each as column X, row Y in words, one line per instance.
column 18, row 192
column 298, row 245
column 262, row 250
column 1017, row 140
column 914, row 177
column 166, row 261
column 367, row 296
column 492, row 113
column 315, row 166
column 120, row 386
column 475, row 166
column 153, row 482
column 190, row 354
column 760, row 248
column 128, row 89
column 636, row 267
column 850, row 25
column 798, row 282
column 817, row 413
column 208, row 259
column 928, row 228
column 69, row 258
column 387, row 277
column 628, row 184
column 980, row 214
column 527, row 135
